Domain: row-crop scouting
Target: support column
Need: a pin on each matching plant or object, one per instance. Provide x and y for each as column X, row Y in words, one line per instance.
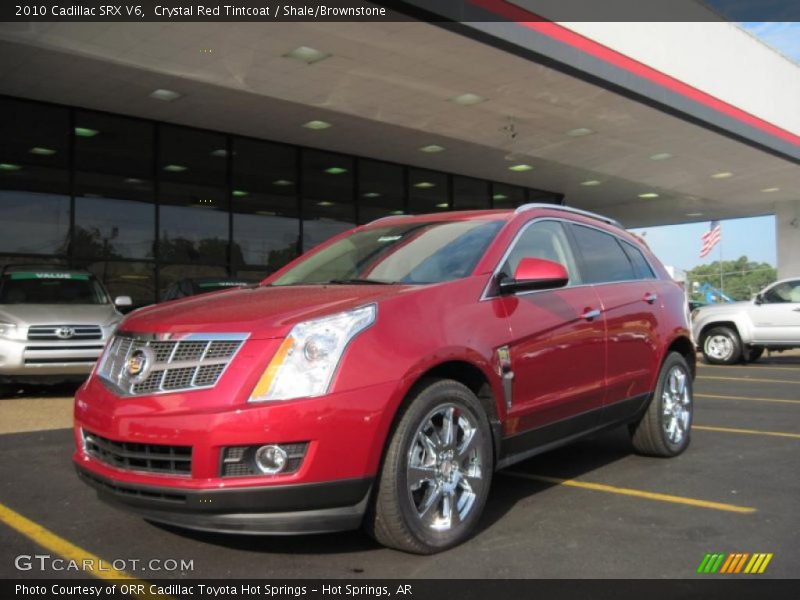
column 787, row 236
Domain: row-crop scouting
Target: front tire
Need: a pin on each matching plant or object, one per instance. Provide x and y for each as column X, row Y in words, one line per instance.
column 665, row 428
column 722, row 346
column 436, row 474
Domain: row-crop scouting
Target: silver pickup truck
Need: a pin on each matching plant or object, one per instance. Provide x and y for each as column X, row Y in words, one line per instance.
column 53, row 323
column 741, row 331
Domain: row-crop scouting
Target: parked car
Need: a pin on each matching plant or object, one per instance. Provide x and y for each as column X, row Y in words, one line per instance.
column 192, row 286
column 383, row 377
column 53, row 323
column 741, row 331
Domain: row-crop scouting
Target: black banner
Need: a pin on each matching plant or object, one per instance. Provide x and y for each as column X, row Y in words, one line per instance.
column 428, row 589
column 398, row 10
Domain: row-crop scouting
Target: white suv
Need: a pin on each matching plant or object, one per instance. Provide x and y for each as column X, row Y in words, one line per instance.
column 741, row 331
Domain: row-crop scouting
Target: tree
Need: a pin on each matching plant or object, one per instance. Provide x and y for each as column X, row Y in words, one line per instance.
column 740, row 279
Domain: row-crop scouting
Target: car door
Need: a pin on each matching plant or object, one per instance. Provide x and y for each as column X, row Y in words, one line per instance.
column 777, row 318
column 557, row 341
column 628, row 292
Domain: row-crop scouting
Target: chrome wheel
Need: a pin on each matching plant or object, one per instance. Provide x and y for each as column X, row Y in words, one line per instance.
column 676, row 405
column 444, row 470
column 720, row 347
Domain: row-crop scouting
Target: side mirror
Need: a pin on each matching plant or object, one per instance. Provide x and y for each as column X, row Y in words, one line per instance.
column 123, row 301
column 535, row 274
column 759, row 299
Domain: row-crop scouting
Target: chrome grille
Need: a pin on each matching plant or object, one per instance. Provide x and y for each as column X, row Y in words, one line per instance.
column 192, row 362
column 78, row 332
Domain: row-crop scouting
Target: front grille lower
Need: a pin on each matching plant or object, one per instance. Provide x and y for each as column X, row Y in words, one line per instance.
column 67, row 332
column 133, row 456
column 191, row 363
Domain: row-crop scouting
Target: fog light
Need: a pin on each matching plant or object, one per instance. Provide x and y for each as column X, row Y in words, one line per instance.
column 271, row 459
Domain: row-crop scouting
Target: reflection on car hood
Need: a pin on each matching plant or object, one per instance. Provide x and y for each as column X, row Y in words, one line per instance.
column 264, row 311
column 57, row 314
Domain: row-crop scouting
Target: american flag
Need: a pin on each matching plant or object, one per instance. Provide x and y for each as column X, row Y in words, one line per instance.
column 710, row 238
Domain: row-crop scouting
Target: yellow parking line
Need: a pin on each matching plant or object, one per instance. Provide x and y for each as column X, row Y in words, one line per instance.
column 747, row 398
column 67, row 550
column 611, row 489
column 747, row 431
column 753, row 379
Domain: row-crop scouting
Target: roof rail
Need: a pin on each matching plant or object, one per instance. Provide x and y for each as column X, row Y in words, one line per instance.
column 569, row 209
column 389, row 217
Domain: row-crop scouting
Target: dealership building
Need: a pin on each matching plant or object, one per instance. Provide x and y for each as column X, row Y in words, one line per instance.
column 148, row 152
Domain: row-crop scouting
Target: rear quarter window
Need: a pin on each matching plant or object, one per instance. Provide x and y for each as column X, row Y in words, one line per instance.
column 640, row 264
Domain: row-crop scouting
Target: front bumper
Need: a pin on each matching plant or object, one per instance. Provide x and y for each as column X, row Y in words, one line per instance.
column 276, row 510
column 344, row 433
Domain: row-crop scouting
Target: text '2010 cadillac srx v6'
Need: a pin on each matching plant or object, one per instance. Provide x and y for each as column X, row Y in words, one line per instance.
column 381, row 379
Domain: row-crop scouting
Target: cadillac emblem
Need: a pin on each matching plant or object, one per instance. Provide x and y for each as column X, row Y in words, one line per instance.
column 139, row 363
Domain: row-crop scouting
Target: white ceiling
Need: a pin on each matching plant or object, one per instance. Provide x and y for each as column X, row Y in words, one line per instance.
column 385, row 88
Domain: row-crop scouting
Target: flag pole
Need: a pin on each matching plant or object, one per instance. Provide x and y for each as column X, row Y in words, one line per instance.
column 721, row 270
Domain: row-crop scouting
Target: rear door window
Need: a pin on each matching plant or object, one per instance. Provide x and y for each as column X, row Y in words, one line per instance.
column 604, row 260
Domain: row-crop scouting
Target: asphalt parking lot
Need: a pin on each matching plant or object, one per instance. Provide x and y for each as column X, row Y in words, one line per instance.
column 591, row 510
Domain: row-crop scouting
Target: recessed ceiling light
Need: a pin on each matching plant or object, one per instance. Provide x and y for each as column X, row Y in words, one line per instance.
column 698, row 214
column 591, row 182
column 424, row 185
column 648, row 195
column 771, row 189
column 660, row 156
column 165, row 95
column 40, row 151
column 282, row 182
column 133, row 180
column 219, row 153
column 722, row 175
column 205, row 201
column 306, row 54
column 325, row 203
column 316, row 125
column 397, row 212
column 580, row 132
column 520, row 168
column 175, row 168
column 240, row 193
column 442, row 205
column 335, row 170
column 432, row 148
column 85, row 132
column 499, row 197
column 468, row 99
column 9, row 167
column 372, row 195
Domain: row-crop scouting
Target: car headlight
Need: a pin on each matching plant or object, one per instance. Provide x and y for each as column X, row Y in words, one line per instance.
column 9, row 331
column 307, row 359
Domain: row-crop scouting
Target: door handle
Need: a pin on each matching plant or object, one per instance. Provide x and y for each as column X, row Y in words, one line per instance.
column 650, row 297
column 590, row 314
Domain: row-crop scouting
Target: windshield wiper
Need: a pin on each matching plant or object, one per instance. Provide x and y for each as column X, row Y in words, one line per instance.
column 355, row 281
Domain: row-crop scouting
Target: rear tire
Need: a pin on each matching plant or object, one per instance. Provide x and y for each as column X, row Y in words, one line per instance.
column 665, row 428
column 722, row 346
column 435, row 476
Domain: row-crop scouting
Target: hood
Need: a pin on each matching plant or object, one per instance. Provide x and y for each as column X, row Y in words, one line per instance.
column 58, row 314
column 722, row 307
column 263, row 312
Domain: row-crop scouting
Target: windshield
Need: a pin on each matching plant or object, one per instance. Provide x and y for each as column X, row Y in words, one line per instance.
column 410, row 253
column 51, row 288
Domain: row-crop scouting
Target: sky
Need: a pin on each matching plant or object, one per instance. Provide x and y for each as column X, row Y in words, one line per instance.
column 783, row 37
column 679, row 245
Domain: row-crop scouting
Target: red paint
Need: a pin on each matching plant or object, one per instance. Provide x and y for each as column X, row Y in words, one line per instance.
column 562, row 34
column 564, row 364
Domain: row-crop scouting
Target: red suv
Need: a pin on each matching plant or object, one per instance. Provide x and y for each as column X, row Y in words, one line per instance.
column 383, row 377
